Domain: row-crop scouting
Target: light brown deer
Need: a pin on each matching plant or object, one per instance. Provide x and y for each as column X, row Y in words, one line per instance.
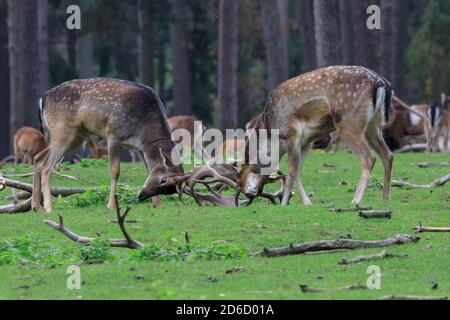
column 28, row 142
column 121, row 112
column 188, row 123
column 443, row 126
column 354, row 101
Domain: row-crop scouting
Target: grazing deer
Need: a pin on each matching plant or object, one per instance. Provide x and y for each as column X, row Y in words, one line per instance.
column 443, row 126
column 28, row 142
column 195, row 131
column 354, row 101
column 121, row 112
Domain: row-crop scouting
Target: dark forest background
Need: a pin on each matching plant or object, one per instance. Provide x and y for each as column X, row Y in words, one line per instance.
column 216, row 59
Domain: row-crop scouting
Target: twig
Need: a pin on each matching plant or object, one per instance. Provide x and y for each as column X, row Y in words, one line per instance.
column 422, row 229
column 129, row 242
column 307, row 289
column 433, row 164
column 375, row 214
column 395, row 297
column 335, row 245
column 381, row 255
column 437, row 183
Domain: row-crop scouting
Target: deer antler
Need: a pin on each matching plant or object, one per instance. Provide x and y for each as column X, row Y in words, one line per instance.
column 129, row 242
column 227, row 176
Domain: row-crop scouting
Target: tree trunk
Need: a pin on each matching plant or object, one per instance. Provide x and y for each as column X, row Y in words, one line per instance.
column 145, row 42
column 307, row 35
column 367, row 48
column 23, row 59
column 4, row 83
column 283, row 8
column 86, row 55
column 127, row 27
column 182, row 91
column 401, row 13
column 228, row 60
column 346, row 27
column 326, row 26
column 273, row 41
column 43, row 43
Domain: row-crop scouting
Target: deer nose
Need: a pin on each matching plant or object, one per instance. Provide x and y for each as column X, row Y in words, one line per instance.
column 250, row 193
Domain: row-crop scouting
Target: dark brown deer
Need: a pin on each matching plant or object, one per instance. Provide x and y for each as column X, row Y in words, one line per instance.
column 354, row 101
column 121, row 112
column 28, row 142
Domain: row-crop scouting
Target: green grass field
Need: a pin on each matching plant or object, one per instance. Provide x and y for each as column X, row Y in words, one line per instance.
column 34, row 258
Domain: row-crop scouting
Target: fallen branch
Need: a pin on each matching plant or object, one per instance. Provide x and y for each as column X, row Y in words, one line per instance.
column 359, row 259
column 326, row 245
column 56, row 192
column 418, row 147
column 16, row 208
column 375, row 214
column 129, row 242
column 422, row 229
column 27, row 175
column 437, row 183
column 433, row 164
column 394, row 297
column 355, row 209
column 307, row 289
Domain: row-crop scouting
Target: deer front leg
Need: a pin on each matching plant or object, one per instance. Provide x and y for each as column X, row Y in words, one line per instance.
column 294, row 157
column 114, row 165
column 301, row 190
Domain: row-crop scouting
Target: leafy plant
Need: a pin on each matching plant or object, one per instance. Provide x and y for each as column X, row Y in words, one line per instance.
column 99, row 251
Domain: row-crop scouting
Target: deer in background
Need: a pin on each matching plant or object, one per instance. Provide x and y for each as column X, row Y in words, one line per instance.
column 123, row 113
column 354, row 101
column 443, row 126
column 28, row 142
column 195, row 132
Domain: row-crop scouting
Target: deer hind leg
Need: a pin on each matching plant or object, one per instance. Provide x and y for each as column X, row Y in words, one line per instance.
column 36, row 203
column 114, row 165
column 376, row 140
column 359, row 145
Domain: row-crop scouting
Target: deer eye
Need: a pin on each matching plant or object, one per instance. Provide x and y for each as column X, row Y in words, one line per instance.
column 164, row 181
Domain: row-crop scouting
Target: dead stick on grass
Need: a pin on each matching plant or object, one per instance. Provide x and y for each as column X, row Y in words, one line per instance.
column 437, row 183
column 326, row 245
column 395, row 297
column 422, row 229
column 381, row 255
column 307, row 289
column 375, row 214
column 433, row 164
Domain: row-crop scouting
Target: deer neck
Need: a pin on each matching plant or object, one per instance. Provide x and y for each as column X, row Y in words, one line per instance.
column 157, row 142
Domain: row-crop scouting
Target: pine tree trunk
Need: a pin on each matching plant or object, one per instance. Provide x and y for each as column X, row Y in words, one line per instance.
column 367, row 43
column 4, row 83
column 145, row 42
column 283, row 7
column 326, row 26
column 43, row 49
column 86, row 55
column 273, row 41
column 182, row 91
column 23, row 59
column 228, row 61
column 347, row 36
column 307, row 35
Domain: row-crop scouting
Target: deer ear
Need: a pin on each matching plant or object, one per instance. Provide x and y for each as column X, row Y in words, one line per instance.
column 164, row 158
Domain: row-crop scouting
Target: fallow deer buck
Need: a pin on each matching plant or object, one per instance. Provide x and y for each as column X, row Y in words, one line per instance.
column 354, row 101
column 28, row 142
column 121, row 112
